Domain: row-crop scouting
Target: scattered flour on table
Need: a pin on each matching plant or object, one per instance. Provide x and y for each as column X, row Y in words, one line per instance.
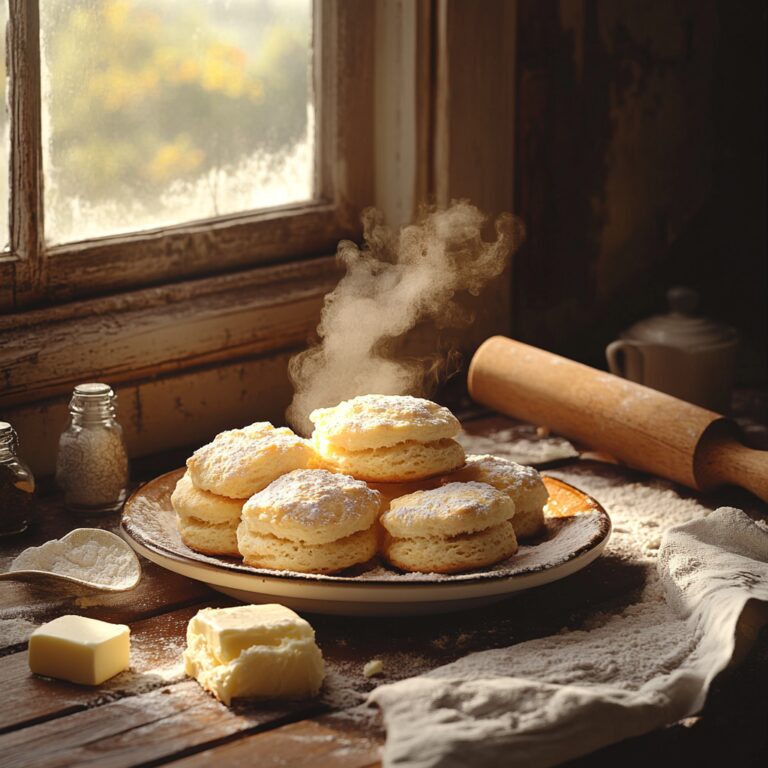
column 656, row 639
column 15, row 631
column 538, row 700
column 510, row 444
column 145, row 673
column 346, row 687
column 93, row 601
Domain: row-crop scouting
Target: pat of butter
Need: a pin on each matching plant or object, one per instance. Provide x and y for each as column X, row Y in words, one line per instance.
column 259, row 651
column 80, row 650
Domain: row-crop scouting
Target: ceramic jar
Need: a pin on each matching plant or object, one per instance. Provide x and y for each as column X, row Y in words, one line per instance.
column 680, row 353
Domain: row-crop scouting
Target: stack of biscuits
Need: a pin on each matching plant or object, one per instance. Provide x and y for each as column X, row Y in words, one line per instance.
column 311, row 521
column 521, row 483
column 380, row 473
column 207, row 522
column 387, row 438
column 440, row 514
column 223, row 474
column 452, row 528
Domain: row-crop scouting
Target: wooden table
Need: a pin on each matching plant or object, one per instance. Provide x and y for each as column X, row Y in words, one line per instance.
column 154, row 716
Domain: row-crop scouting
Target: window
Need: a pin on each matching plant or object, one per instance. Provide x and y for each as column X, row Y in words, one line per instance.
column 156, row 112
column 152, row 141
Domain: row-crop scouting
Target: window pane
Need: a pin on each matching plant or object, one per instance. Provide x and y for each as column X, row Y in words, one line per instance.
column 4, row 133
column 163, row 111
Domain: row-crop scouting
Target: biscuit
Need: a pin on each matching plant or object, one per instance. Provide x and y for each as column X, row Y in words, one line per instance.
column 312, row 506
column 450, row 510
column 241, row 462
column 456, row 527
column 440, row 554
column 267, row 551
column 189, row 501
column 377, row 421
column 404, row 462
column 208, row 538
column 522, row 483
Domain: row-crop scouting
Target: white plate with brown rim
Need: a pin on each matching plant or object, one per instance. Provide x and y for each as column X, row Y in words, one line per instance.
column 576, row 531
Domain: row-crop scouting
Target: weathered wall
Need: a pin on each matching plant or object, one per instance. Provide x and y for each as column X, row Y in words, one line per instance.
column 640, row 164
column 164, row 413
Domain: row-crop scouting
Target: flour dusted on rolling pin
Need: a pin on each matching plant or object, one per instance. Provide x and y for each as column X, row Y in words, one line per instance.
column 640, row 426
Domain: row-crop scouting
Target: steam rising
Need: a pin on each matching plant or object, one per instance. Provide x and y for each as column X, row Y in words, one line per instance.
column 393, row 283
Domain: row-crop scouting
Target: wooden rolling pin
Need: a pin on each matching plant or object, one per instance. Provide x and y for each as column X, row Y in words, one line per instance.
column 641, row 427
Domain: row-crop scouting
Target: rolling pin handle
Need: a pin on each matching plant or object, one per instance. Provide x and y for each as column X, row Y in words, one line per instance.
column 722, row 460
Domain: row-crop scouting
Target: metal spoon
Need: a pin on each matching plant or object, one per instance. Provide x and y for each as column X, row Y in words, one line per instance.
column 59, row 554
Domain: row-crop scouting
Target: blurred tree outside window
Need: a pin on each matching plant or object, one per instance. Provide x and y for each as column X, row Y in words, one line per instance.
column 158, row 112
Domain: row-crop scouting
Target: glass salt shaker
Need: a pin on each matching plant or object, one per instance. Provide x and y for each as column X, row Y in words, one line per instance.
column 17, row 485
column 92, row 463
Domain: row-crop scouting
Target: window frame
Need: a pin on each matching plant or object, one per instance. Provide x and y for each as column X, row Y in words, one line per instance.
column 33, row 274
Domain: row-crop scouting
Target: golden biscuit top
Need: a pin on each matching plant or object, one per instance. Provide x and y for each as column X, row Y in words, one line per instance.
column 503, row 474
column 312, row 505
column 237, row 459
column 449, row 510
column 259, row 429
column 376, row 421
column 235, row 448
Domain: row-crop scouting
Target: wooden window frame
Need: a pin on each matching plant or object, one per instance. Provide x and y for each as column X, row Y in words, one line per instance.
column 33, row 275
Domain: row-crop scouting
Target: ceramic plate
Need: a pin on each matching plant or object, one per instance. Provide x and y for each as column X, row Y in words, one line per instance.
column 577, row 530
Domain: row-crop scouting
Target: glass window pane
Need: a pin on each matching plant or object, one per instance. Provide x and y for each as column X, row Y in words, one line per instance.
column 158, row 112
column 5, row 129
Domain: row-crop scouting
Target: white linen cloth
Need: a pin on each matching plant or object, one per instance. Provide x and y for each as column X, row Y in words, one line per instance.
column 548, row 700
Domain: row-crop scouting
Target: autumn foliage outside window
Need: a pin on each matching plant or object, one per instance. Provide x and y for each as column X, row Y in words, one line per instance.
column 156, row 112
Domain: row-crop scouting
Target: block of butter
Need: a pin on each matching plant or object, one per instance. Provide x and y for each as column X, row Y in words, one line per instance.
column 259, row 651
column 80, row 649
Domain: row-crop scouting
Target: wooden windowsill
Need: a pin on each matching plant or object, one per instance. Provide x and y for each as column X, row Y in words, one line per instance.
column 130, row 336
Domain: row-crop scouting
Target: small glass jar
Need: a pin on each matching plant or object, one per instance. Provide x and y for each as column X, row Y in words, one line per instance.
column 17, row 485
column 92, row 463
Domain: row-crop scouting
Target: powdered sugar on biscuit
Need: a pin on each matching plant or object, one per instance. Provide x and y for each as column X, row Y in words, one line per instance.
column 375, row 421
column 312, row 505
column 522, row 483
column 450, row 510
column 241, row 462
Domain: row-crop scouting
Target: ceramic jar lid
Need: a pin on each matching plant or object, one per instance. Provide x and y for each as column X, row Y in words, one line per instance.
column 681, row 327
